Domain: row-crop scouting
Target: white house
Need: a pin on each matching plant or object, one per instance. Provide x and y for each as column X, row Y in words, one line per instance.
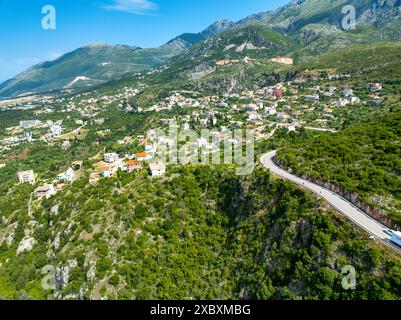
column 354, row 99
column 329, row 94
column 253, row 116
column 56, row 130
column 29, row 123
column 312, row 97
column 332, row 89
column 271, row 111
column 45, row 191
column 186, row 126
column 203, row 122
column 252, row 107
column 66, row 144
column 158, row 169
column 151, row 135
column 28, row 135
column 375, row 87
column 26, row 177
column 105, row 169
column 315, row 88
column 68, row 176
column 143, row 156
column 107, row 172
column 111, row 157
column 341, row 103
column 347, row 92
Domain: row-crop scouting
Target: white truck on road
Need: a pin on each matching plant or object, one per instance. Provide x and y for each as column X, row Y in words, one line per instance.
column 396, row 237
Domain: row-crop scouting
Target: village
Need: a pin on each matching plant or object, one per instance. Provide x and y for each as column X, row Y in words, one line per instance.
column 288, row 105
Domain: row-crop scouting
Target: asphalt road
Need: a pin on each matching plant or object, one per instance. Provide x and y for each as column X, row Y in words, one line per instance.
column 356, row 215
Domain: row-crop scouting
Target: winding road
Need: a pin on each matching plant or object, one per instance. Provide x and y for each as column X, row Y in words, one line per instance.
column 373, row 227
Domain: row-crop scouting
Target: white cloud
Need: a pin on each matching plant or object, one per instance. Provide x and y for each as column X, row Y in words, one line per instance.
column 132, row 6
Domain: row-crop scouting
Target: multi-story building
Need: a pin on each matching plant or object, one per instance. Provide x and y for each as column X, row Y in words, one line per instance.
column 111, row 157
column 68, row 176
column 26, row 124
column 45, row 191
column 26, row 177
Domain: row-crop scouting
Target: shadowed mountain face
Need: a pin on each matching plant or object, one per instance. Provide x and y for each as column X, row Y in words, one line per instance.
column 307, row 26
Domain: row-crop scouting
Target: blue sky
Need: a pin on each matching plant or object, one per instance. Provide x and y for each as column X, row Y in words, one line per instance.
column 144, row 23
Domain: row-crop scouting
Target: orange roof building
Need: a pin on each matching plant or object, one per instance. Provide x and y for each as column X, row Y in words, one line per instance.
column 133, row 163
column 102, row 165
column 142, row 155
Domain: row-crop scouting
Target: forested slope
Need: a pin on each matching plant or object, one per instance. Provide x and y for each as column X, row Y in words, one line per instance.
column 365, row 158
column 198, row 233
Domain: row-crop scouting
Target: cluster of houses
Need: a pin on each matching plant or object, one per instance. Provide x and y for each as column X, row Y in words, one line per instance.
column 286, row 103
column 49, row 189
column 87, row 108
column 24, row 132
column 44, row 191
column 112, row 162
column 283, row 104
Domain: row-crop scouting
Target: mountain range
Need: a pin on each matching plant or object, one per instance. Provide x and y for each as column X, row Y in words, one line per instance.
column 301, row 28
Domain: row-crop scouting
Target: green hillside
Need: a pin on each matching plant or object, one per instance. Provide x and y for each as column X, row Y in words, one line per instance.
column 319, row 22
column 255, row 41
column 199, row 233
column 202, row 231
column 365, row 158
column 318, row 25
column 380, row 61
column 85, row 67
